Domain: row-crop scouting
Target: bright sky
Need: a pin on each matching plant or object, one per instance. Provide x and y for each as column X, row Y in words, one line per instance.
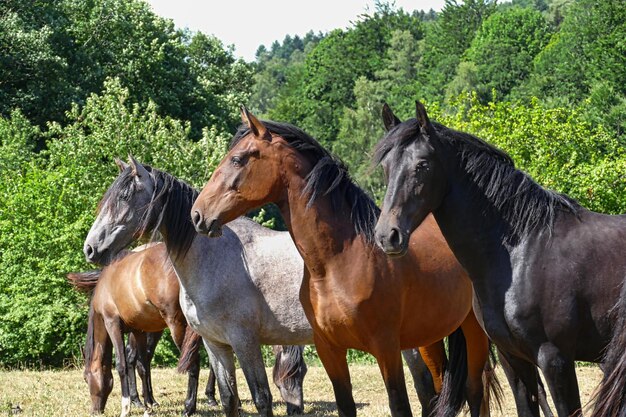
column 248, row 24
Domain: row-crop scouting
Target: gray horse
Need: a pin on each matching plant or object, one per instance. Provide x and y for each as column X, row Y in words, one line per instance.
column 237, row 292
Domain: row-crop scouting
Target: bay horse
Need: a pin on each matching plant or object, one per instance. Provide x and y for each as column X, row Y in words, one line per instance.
column 353, row 295
column 546, row 271
column 237, row 293
column 135, row 293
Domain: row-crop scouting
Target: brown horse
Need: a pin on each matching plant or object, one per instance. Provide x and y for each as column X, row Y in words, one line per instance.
column 137, row 293
column 353, row 294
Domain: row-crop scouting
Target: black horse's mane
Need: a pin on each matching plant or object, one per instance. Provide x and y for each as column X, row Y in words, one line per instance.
column 329, row 177
column 523, row 203
column 170, row 206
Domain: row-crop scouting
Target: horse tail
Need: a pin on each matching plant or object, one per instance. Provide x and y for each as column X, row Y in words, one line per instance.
column 289, row 369
column 189, row 351
column 491, row 383
column 84, row 282
column 90, row 342
column 452, row 396
column 610, row 398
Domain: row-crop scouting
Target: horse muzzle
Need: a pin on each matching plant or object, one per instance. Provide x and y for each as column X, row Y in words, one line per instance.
column 392, row 241
column 211, row 228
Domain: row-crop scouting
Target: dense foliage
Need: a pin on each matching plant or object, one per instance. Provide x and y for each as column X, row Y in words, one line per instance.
column 84, row 82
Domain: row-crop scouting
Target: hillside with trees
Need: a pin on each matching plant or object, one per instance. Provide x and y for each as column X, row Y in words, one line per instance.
column 84, row 82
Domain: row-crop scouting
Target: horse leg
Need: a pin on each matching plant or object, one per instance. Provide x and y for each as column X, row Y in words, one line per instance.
column 334, row 360
column 210, row 387
column 145, row 354
column 422, row 379
column 114, row 328
column 390, row 365
column 477, row 362
column 221, row 356
column 253, row 367
column 185, row 338
column 522, row 377
column 131, row 357
column 99, row 352
column 560, row 374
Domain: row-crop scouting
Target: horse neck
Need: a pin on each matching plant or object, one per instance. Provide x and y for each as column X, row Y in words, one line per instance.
column 320, row 233
column 476, row 236
column 175, row 223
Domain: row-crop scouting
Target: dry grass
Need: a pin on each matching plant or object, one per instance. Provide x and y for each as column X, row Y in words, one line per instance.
column 63, row 393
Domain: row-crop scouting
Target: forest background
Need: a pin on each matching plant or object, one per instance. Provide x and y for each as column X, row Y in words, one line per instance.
column 83, row 82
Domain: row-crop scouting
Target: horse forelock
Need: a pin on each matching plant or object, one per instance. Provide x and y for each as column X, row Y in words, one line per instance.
column 120, row 187
column 329, row 176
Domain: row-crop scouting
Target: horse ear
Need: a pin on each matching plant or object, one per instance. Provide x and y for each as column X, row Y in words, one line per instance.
column 121, row 164
column 138, row 169
column 256, row 126
column 389, row 119
column 420, row 114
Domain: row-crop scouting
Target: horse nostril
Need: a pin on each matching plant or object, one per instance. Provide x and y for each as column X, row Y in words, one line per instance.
column 196, row 218
column 395, row 237
column 89, row 252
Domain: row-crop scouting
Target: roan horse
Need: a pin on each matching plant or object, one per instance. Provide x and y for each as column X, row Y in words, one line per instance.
column 136, row 293
column 353, row 295
column 546, row 271
column 237, row 293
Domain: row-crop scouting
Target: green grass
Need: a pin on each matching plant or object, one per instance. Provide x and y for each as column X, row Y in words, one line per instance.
column 64, row 393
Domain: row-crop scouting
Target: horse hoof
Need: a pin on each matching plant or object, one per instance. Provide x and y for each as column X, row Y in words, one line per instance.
column 296, row 411
column 211, row 402
column 137, row 403
column 189, row 412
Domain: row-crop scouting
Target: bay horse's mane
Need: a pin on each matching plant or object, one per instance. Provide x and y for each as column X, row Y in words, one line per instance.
column 329, row 176
column 172, row 198
column 513, row 194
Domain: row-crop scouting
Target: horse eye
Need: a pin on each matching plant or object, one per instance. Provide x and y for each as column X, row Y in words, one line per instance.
column 422, row 165
column 236, row 161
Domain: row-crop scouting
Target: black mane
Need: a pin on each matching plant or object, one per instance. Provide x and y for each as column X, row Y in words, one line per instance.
column 523, row 203
column 170, row 206
column 329, row 177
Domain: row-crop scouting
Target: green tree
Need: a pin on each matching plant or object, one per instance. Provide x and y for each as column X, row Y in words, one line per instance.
column 60, row 52
column 588, row 49
column 445, row 41
column 333, row 66
column 504, row 47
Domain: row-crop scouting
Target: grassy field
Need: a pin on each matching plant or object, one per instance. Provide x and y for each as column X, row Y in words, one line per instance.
column 64, row 393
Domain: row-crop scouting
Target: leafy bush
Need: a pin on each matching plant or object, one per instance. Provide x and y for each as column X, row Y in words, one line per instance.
column 48, row 202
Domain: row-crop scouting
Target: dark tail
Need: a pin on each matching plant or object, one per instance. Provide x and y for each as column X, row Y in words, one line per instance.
column 452, row 395
column 84, row 282
column 491, row 383
column 290, row 369
column 610, row 399
column 90, row 340
column 189, row 351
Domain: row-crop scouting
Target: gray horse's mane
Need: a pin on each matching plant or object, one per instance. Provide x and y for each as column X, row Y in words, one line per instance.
column 511, row 193
column 169, row 205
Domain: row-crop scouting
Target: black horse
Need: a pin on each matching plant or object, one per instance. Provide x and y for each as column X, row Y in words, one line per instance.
column 546, row 271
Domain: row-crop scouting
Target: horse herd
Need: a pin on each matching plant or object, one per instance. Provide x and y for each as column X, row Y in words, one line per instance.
column 466, row 248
